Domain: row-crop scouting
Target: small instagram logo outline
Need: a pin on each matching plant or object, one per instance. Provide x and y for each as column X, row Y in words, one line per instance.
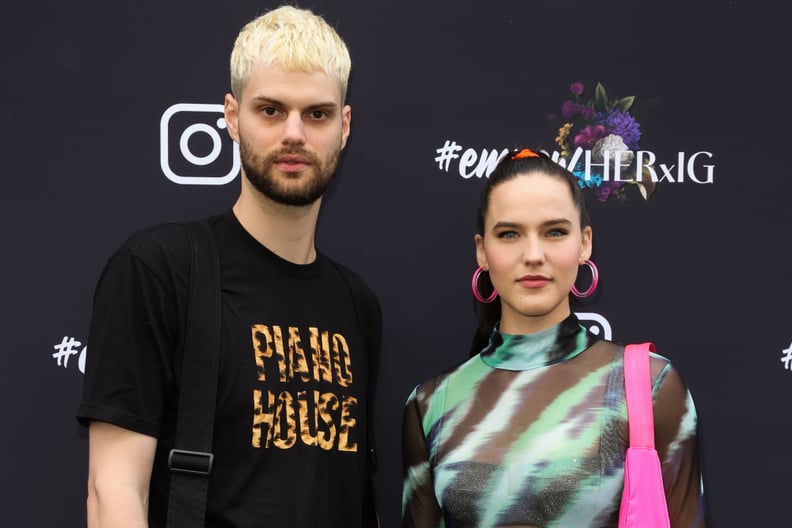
column 204, row 128
column 597, row 324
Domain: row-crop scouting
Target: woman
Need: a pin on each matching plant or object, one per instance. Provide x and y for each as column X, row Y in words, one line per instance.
column 532, row 429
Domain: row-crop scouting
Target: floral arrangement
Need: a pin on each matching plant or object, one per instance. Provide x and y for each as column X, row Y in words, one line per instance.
column 605, row 127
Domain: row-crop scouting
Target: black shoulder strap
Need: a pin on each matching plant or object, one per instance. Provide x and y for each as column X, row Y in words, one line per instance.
column 369, row 318
column 190, row 461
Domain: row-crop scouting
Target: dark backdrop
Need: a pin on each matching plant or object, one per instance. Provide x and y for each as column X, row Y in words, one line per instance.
column 701, row 269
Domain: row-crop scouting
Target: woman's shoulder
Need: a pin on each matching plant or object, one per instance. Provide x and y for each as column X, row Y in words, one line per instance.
column 437, row 382
column 604, row 350
column 664, row 375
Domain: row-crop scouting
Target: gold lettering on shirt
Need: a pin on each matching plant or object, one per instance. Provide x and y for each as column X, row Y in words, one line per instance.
column 262, row 416
column 347, row 423
column 323, row 419
column 284, row 428
column 297, row 362
column 262, row 348
column 320, row 348
column 308, row 423
column 328, row 402
column 342, row 361
column 263, row 341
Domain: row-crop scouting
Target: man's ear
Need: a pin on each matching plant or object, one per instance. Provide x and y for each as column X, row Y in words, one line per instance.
column 231, row 113
column 346, row 122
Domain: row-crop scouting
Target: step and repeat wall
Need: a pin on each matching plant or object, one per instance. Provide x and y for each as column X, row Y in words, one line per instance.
column 109, row 121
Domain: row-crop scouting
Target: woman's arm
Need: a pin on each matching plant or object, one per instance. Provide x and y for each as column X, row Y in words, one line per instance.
column 420, row 508
column 677, row 446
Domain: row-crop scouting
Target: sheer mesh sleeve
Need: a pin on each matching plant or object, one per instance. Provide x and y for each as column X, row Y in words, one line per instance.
column 675, row 440
column 420, row 508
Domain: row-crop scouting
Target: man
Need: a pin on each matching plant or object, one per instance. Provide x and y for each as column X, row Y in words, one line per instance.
column 291, row 434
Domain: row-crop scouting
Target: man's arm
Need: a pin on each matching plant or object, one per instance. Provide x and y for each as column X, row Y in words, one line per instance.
column 119, row 471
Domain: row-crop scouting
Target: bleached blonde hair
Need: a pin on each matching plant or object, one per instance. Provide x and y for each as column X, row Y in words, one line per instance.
column 295, row 39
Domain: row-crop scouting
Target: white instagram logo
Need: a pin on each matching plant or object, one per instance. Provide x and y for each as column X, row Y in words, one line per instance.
column 596, row 324
column 184, row 146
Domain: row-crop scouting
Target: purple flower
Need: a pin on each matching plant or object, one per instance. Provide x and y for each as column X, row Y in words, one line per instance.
column 576, row 88
column 570, row 109
column 587, row 113
column 624, row 125
column 587, row 137
column 606, row 190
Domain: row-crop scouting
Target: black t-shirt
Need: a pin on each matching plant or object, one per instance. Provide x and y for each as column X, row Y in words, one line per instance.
column 290, row 430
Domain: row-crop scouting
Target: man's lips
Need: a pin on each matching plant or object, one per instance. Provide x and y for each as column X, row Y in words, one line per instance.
column 291, row 163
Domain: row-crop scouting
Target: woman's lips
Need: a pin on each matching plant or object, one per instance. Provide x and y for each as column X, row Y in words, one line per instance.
column 533, row 281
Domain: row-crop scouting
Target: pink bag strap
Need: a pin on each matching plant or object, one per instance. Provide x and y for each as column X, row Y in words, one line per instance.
column 638, row 385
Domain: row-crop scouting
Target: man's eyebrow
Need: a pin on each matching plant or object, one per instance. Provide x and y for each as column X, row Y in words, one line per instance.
column 265, row 99
column 276, row 102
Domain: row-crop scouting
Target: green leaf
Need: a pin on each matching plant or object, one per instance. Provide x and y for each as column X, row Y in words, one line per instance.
column 625, row 103
column 600, row 98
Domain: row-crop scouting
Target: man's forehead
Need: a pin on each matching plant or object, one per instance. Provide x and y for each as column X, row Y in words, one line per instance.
column 277, row 82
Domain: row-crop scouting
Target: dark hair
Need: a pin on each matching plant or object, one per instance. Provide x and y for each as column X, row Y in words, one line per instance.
column 507, row 169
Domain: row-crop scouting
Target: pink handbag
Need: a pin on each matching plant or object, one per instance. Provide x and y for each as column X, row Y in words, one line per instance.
column 643, row 503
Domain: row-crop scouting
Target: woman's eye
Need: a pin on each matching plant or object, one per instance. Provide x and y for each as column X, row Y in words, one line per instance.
column 507, row 234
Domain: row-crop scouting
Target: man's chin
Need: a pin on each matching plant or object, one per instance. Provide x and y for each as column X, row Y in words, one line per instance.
column 294, row 188
column 296, row 199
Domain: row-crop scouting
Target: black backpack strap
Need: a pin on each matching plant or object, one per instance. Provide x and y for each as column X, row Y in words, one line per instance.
column 190, row 461
column 369, row 318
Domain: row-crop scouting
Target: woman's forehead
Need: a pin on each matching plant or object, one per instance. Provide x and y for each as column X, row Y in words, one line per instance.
column 531, row 190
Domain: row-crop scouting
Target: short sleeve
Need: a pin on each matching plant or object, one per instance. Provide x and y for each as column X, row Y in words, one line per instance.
column 129, row 376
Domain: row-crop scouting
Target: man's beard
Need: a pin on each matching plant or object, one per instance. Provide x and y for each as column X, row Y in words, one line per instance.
column 260, row 172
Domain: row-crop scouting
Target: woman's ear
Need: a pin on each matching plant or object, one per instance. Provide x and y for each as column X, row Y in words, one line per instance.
column 481, row 255
column 586, row 244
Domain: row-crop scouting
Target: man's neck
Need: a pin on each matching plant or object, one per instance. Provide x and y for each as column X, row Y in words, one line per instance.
column 288, row 231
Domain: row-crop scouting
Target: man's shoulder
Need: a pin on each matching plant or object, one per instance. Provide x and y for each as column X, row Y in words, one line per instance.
column 160, row 246
column 165, row 233
column 154, row 244
column 367, row 308
column 165, row 236
column 356, row 284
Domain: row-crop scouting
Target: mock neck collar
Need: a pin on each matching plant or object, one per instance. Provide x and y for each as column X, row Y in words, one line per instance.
column 558, row 343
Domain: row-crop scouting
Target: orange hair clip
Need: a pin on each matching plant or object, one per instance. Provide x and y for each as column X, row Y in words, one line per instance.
column 525, row 153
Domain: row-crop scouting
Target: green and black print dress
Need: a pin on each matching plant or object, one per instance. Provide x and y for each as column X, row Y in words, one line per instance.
column 532, row 432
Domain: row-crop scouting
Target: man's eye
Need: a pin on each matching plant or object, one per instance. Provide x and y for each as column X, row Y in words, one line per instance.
column 507, row 234
column 269, row 111
column 319, row 114
column 556, row 233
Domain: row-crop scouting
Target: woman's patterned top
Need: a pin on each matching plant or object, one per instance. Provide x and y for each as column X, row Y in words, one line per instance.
column 533, row 432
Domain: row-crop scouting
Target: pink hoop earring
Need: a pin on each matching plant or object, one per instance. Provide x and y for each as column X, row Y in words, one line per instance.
column 480, row 298
column 594, row 280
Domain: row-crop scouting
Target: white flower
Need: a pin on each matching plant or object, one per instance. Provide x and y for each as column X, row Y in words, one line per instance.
column 612, row 144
